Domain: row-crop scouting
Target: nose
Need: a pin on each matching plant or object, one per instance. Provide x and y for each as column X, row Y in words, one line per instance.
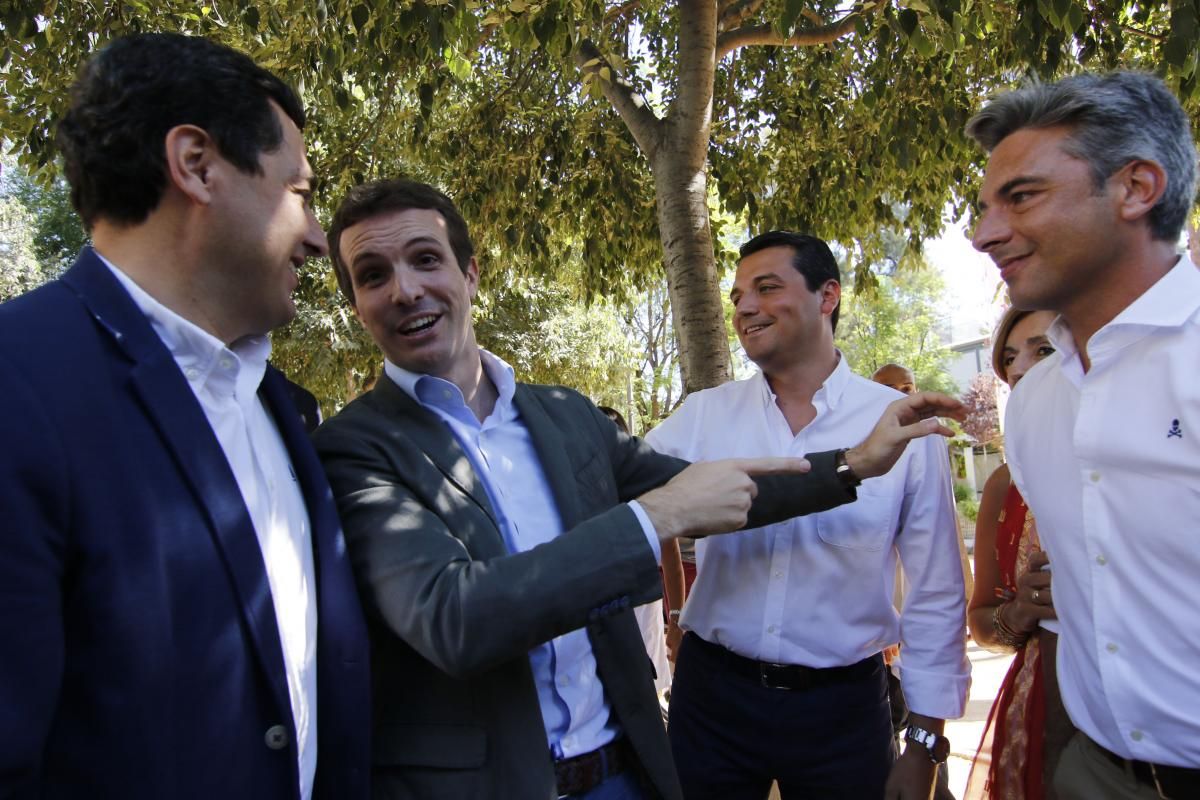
column 745, row 306
column 315, row 243
column 991, row 230
column 1017, row 370
column 407, row 288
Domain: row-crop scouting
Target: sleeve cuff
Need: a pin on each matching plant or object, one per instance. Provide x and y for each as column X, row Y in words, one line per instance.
column 648, row 530
column 935, row 694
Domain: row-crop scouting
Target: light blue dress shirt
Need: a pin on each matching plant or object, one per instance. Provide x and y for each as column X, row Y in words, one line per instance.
column 574, row 708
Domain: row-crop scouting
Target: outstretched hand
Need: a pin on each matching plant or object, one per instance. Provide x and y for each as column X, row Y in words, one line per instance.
column 711, row 496
column 904, row 420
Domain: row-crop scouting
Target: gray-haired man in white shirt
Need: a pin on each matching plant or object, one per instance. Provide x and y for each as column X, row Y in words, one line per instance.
column 779, row 676
column 1088, row 187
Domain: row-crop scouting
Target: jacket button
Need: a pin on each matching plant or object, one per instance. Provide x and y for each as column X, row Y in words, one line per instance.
column 277, row 737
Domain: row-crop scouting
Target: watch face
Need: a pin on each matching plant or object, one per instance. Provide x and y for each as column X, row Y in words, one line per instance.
column 940, row 750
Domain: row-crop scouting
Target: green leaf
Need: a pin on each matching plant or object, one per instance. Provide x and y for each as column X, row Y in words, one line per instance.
column 908, row 21
column 360, row 16
column 792, row 9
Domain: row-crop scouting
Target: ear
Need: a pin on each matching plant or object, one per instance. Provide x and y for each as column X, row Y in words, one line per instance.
column 190, row 153
column 831, row 296
column 1140, row 185
column 472, row 278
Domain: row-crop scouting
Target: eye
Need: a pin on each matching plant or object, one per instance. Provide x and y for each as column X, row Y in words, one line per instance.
column 369, row 276
column 767, row 287
column 427, row 260
column 1016, row 198
column 1044, row 351
column 1008, row 360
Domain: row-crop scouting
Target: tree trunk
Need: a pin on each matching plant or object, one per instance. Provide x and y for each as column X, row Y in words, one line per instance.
column 691, row 272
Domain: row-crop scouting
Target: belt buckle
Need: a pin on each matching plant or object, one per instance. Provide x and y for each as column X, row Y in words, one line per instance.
column 765, row 670
column 1157, row 786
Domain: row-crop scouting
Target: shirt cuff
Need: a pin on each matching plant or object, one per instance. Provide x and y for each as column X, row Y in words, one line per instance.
column 648, row 529
column 935, row 694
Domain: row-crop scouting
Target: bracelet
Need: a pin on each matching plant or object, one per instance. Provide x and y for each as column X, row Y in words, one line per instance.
column 673, row 615
column 1004, row 633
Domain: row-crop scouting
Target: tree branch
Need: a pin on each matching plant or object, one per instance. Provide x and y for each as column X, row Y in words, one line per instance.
column 732, row 14
column 632, row 108
column 766, row 36
column 690, row 115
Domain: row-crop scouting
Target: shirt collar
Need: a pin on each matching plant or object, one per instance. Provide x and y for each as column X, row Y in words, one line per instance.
column 429, row 390
column 829, row 396
column 205, row 360
column 1170, row 302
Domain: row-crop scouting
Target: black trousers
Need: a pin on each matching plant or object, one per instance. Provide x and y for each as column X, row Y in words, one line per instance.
column 731, row 736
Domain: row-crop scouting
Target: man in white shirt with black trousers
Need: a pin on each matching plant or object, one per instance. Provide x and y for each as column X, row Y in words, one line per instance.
column 1087, row 190
column 779, row 676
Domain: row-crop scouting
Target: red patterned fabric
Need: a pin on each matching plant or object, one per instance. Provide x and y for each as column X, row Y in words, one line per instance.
column 1009, row 763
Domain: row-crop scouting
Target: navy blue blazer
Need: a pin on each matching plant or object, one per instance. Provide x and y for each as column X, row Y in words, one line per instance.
column 139, row 655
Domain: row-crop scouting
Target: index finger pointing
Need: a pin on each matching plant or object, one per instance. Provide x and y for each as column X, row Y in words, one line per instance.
column 772, row 466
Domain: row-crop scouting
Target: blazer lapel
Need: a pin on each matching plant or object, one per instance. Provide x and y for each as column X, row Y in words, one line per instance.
column 169, row 402
column 436, row 440
column 552, row 449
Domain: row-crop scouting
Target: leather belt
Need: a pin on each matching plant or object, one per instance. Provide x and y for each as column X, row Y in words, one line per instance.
column 580, row 774
column 1171, row 783
column 793, row 677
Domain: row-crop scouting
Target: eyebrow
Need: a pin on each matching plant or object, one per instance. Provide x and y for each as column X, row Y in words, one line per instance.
column 1007, row 188
column 419, row 241
column 770, row 276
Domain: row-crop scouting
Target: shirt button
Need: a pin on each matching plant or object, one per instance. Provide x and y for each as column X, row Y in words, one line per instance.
column 276, row 737
column 1101, row 560
column 226, row 363
column 564, row 681
column 1111, row 647
column 1136, row 735
column 446, row 394
column 772, row 629
column 778, row 573
column 1095, row 477
column 192, row 374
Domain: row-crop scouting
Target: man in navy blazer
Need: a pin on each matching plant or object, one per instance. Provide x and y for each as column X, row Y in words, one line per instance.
column 177, row 613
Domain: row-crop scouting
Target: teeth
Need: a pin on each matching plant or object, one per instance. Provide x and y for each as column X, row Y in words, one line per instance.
column 755, row 328
column 418, row 324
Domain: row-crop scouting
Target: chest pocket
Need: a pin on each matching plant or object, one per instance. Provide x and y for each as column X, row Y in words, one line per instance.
column 865, row 524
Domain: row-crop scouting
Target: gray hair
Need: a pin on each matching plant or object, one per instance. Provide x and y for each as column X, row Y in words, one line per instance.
column 1114, row 119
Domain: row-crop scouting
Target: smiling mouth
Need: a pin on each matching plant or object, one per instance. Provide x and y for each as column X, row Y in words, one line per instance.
column 751, row 329
column 1010, row 264
column 419, row 325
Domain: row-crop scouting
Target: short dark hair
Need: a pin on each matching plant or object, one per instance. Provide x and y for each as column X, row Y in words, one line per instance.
column 811, row 257
column 394, row 194
column 1113, row 119
column 131, row 93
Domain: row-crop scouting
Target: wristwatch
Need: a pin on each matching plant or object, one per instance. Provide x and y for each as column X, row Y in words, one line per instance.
column 844, row 471
column 935, row 744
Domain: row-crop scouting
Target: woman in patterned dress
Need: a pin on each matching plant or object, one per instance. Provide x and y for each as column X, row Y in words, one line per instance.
column 1026, row 726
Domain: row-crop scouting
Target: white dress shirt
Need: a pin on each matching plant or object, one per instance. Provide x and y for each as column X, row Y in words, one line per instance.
column 225, row 381
column 1109, row 463
column 575, row 710
column 817, row 590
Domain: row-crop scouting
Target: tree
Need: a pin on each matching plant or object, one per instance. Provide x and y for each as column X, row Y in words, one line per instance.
column 19, row 269
column 58, row 233
column 597, row 131
column 983, row 420
column 897, row 321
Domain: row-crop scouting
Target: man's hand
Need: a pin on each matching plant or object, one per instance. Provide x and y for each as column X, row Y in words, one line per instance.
column 904, row 420
column 674, row 638
column 913, row 773
column 712, row 496
column 912, row 776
